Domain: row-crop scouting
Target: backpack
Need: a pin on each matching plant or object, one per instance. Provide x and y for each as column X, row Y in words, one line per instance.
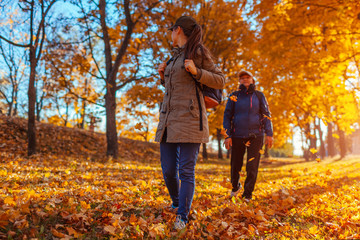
column 262, row 109
column 212, row 96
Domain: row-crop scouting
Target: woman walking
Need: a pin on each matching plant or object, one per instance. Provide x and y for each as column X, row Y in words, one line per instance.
column 181, row 128
column 246, row 120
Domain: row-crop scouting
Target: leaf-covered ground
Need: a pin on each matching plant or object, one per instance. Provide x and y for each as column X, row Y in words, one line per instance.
column 49, row 197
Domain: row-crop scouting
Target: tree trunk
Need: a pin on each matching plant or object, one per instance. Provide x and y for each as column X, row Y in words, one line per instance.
column 204, row 153
column 10, row 108
column 342, row 143
column 309, row 140
column 322, row 144
column 111, row 133
column 82, row 113
column 228, row 153
column 32, row 101
column 82, row 124
column 330, row 141
column 219, row 136
column 16, row 102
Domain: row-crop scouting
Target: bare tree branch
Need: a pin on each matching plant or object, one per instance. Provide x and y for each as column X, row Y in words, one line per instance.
column 90, row 44
column 13, row 43
column 122, row 50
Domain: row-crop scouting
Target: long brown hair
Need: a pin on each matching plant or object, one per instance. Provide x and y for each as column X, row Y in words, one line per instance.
column 194, row 42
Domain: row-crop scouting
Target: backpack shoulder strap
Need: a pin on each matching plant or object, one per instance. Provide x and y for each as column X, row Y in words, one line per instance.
column 259, row 96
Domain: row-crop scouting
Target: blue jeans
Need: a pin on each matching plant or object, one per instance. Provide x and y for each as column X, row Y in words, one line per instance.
column 178, row 160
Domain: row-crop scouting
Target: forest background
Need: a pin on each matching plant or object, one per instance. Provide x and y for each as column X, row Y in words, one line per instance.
column 74, row 62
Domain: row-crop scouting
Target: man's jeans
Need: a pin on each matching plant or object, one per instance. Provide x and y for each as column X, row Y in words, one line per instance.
column 178, row 161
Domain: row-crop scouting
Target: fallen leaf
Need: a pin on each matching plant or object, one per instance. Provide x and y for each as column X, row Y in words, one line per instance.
column 233, row 98
column 56, row 233
column 313, row 150
column 110, row 229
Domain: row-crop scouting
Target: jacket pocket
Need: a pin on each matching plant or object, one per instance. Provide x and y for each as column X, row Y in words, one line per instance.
column 193, row 110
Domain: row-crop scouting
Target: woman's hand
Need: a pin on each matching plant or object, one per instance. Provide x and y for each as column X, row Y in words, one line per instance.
column 161, row 69
column 269, row 141
column 228, row 143
column 190, row 66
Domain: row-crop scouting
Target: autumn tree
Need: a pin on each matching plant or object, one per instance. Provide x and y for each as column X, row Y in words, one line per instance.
column 301, row 54
column 115, row 30
column 35, row 28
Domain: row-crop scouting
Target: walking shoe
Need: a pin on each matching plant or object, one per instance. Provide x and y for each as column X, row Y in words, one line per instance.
column 233, row 194
column 172, row 208
column 246, row 198
column 179, row 223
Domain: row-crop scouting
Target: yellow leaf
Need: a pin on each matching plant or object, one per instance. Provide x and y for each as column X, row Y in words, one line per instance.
column 10, row 201
column 335, row 135
column 313, row 230
column 318, row 159
column 261, row 151
column 251, row 159
column 313, row 150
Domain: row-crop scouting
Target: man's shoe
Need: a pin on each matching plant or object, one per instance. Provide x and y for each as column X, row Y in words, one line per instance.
column 246, row 198
column 179, row 223
column 233, row 194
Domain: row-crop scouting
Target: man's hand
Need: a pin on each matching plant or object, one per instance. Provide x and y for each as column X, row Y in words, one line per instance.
column 228, row 143
column 161, row 69
column 269, row 141
column 190, row 66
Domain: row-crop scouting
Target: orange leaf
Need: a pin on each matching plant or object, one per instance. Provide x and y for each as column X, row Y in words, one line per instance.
column 110, row 229
column 247, row 144
column 57, row 234
column 225, row 184
column 71, row 231
column 223, row 132
column 133, row 219
column 233, row 98
column 138, row 126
